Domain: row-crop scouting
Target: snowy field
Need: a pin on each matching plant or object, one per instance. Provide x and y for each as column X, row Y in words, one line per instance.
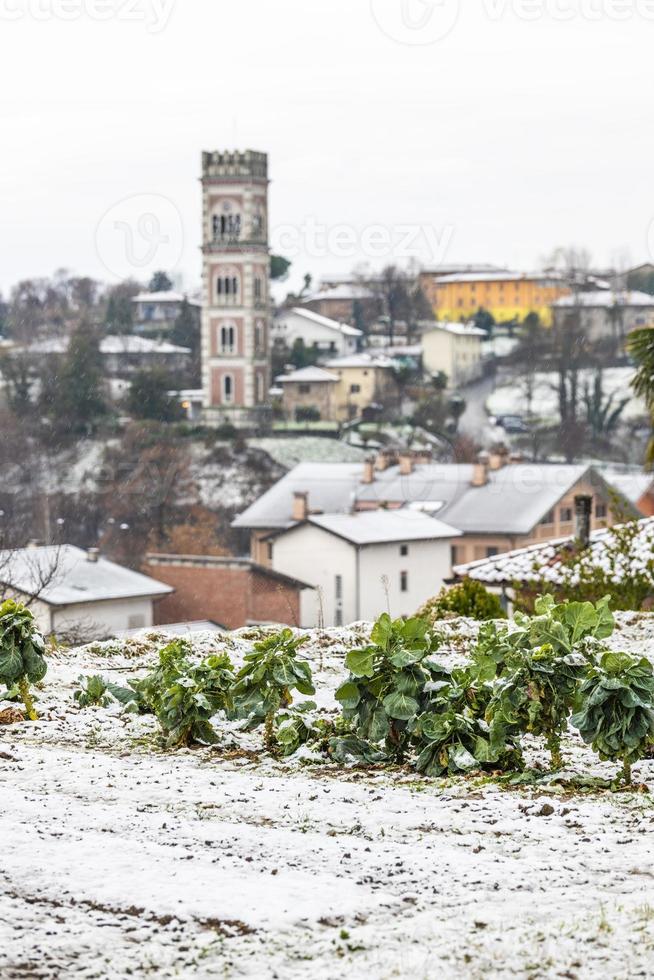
column 511, row 399
column 119, row 860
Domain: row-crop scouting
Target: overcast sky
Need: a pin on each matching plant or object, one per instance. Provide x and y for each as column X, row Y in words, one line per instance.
column 394, row 128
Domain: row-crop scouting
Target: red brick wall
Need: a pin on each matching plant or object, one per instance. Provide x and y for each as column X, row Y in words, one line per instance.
column 231, row 596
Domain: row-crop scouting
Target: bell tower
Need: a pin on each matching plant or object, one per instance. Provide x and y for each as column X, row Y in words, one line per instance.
column 236, row 288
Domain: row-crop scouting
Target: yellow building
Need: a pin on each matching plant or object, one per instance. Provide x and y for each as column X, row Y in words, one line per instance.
column 506, row 296
column 363, row 380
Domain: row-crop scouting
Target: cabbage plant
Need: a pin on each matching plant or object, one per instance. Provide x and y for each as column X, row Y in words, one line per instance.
column 615, row 709
column 264, row 685
column 22, row 648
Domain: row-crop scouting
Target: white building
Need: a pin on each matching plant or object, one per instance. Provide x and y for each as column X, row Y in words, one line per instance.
column 75, row 591
column 456, row 350
column 157, row 312
column 606, row 313
column 365, row 564
column 316, row 331
column 123, row 354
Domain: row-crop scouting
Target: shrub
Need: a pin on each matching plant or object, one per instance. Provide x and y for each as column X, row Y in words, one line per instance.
column 469, row 598
column 21, row 652
column 615, row 709
column 264, row 683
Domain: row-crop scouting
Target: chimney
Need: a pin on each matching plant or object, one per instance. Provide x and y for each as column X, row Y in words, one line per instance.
column 300, row 506
column 583, row 510
column 92, row 554
column 498, row 458
column 369, row 470
column 422, row 457
column 384, row 459
column 516, row 458
column 406, row 463
column 480, row 471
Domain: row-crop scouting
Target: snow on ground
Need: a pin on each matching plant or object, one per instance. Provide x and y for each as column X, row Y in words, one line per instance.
column 511, row 399
column 121, row 860
column 307, row 449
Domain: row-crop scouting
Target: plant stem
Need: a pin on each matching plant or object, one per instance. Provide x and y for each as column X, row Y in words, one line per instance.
column 554, row 745
column 626, row 771
column 269, row 733
column 24, row 688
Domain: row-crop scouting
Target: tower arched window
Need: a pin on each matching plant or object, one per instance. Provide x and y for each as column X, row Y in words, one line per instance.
column 228, row 389
column 227, row 339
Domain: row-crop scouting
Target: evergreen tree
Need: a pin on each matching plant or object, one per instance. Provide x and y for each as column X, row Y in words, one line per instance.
column 160, row 283
column 186, row 330
column 73, row 394
column 148, row 397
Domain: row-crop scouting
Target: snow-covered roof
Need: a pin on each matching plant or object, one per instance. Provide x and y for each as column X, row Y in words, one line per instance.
column 513, row 501
column 547, row 560
column 632, row 485
column 500, row 277
column 345, row 292
column 112, row 344
column 360, row 361
column 453, row 269
column 604, row 298
column 384, row 526
column 325, row 321
column 63, row 575
column 169, row 296
column 459, row 329
column 307, row 374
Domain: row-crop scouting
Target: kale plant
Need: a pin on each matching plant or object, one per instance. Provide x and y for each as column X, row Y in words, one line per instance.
column 265, row 682
column 22, row 648
column 615, row 709
column 382, row 695
column 184, row 696
column 92, row 692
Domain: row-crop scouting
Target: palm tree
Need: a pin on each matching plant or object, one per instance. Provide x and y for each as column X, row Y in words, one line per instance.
column 641, row 347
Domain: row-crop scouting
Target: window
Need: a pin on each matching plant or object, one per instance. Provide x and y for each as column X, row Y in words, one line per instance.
column 565, row 515
column 355, row 389
column 304, row 389
column 404, row 550
column 270, row 551
column 227, row 340
column 600, row 511
column 491, row 552
column 338, row 586
column 228, row 389
column 404, row 581
column 549, row 518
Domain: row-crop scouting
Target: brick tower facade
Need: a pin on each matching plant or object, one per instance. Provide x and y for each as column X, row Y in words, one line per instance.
column 236, row 288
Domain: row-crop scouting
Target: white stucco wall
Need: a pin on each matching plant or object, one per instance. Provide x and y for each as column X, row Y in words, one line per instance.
column 290, row 327
column 428, row 564
column 317, row 557
column 97, row 619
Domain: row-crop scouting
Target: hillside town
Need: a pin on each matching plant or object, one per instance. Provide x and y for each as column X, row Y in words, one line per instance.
column 327, row 490
column 312, row 458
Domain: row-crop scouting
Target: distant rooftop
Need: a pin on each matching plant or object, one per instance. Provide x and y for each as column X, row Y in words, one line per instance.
column 547, row 561
column 347, row 292
column 112, row 344
column 460, row 329
column 169, row 296
column 325, row 321
column 63, row 575
column 513, row 501
column 308, row 375
column 606, row 298
column 360, row 361
column 503, row 276
column 384, row 526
